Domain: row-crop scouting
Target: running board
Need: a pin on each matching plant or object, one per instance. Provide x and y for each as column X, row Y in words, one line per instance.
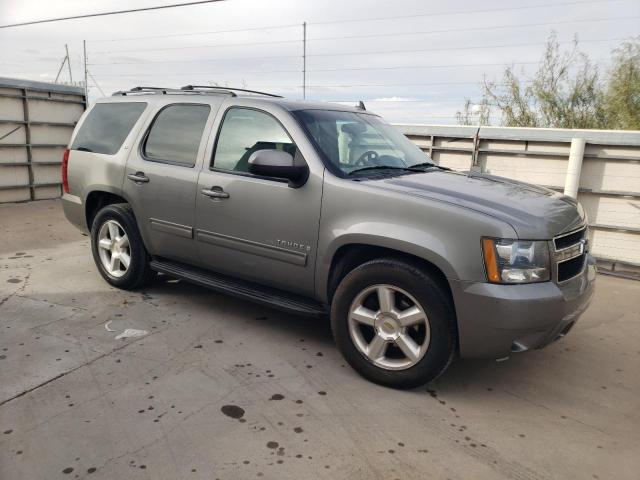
column 240, row 288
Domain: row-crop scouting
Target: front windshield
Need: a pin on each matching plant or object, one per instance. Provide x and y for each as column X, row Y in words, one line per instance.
column 358, row 141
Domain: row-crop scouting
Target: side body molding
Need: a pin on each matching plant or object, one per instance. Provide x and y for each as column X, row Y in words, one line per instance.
column 255, row 248
column 163, row 226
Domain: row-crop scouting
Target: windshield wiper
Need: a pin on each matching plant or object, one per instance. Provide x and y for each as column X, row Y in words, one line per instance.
column 422, row 167
column 417, row 168
column 84, row 149
column 380, row 167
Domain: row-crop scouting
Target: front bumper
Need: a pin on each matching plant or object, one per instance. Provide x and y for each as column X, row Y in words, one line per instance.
column 497, row 320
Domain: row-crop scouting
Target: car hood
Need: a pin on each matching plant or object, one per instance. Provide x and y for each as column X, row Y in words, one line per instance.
column 533, row 212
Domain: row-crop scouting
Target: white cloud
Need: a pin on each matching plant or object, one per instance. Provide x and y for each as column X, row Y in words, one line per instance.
column 417, row 69
column 395, row 99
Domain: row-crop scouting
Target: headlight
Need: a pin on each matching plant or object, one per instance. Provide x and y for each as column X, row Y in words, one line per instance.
column 516, row 261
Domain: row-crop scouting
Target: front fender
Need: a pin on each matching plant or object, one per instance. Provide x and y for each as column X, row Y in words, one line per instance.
column 448, row 236
column 431, row 248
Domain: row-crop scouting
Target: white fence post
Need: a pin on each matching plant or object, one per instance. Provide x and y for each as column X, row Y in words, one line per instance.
column 572, row 179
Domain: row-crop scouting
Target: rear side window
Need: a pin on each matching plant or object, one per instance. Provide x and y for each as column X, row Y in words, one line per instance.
column 107, row 126
column 174, row 136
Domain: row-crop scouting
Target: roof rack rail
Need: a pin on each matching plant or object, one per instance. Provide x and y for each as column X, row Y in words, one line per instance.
column 230, row 90
column 195, row 89
column 145, row 89
column 200, row 88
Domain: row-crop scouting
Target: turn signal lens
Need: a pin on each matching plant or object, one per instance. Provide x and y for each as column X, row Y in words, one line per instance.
column 490, row 261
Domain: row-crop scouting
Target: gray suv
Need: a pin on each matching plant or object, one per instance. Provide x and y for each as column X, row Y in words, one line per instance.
column 323, row 209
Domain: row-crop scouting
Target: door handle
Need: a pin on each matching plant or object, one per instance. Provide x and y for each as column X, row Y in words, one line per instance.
column 138, row 177
column 215, row 192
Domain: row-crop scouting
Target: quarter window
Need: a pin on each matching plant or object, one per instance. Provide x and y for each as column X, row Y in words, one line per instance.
column 176, row 133
column 245, row 131
column 107, row 126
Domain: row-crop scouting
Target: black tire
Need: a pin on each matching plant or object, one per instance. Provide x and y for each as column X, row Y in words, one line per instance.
column 432, row 297
column 139, row 272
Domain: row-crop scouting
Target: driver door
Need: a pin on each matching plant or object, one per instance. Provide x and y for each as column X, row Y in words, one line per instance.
column 256, row 228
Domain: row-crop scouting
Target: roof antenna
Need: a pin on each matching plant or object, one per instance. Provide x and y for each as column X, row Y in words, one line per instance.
column 361, row 105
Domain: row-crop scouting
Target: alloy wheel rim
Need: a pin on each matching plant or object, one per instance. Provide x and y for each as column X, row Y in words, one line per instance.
column 114, row 249
column 389, row 327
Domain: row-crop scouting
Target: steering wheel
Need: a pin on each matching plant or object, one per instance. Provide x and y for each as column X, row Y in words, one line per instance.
column 367, row 158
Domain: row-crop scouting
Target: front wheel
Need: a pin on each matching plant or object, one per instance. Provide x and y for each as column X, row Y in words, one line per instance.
column 394, row 323
column 117, row 248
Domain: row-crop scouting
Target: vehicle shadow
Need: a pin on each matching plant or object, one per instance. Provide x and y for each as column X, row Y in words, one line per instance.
column 297, row 326
column 167, row 296
column 461, row 376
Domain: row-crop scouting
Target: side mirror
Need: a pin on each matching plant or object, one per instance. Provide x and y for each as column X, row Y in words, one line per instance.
column 278, row 164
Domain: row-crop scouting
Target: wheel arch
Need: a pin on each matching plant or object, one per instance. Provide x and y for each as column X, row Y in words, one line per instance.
column 350, row 255
column 99, row 198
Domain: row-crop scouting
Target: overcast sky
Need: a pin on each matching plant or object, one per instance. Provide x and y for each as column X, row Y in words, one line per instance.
column 414, row 69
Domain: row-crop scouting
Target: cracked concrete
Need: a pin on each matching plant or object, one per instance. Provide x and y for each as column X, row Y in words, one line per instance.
column 76, row 403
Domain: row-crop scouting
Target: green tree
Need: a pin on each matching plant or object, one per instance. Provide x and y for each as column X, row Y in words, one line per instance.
column 566, row 91
column 622, row 97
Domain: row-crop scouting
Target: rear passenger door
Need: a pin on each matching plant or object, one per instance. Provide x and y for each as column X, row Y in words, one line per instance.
column 161, row 177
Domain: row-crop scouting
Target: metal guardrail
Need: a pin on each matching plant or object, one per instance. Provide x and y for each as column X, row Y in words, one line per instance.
column 29, row 110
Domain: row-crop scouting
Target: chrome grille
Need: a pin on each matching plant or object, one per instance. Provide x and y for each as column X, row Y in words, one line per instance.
column 570, row 254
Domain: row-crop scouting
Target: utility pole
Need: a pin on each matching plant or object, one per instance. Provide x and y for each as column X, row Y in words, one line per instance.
column 304, row 60
column 86, row 84
column 66, row 47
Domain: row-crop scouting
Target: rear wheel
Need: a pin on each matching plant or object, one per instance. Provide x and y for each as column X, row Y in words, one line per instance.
column 117, row 247
column 394, row 323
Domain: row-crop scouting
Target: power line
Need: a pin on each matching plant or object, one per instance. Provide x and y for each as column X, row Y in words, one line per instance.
column 114, row 12
column 408, row 67
column 463, row 12
column 316, row 70
column 196, row 61
column 354, row 85
column 375, row 35
column 269, row 27
column 179, row 74
column 158, row 49
column 254, row 72
column 96, row 84
column 467, row 29
column 341, row 54
column 189, row 34
column 351, row 85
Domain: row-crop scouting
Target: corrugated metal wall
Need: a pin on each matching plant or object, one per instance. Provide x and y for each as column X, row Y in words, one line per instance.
column 609, row 186
column 36, row 122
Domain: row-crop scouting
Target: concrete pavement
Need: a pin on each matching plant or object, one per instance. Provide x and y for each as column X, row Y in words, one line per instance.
column 220, row 388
